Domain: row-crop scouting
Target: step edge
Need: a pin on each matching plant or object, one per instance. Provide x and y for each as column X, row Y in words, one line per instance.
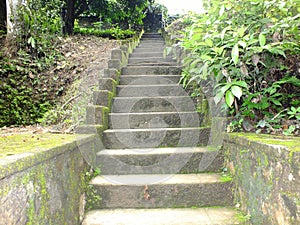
column 161, row 179
column 154, row 151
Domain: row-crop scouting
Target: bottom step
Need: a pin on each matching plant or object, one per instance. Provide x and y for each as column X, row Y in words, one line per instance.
column 201, row 216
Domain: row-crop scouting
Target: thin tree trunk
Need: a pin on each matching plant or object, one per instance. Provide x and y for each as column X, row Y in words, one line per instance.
column 3, row 15
column 68, row 15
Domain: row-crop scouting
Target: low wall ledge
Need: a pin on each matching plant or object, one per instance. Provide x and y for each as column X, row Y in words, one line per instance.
column 20, row 161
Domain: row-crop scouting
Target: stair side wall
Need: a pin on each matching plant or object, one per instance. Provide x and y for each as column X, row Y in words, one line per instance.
column 46, row 187
column 266, row 176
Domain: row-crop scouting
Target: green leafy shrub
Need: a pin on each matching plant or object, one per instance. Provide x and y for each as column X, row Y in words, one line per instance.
column 246, row 52
column 112, row 33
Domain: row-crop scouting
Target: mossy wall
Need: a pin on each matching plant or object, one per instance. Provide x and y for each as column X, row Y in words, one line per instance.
column 46, row 187
column 266, row 172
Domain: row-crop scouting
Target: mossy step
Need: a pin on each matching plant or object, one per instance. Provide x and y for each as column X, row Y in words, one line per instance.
column 201, row 216
column 162, row 191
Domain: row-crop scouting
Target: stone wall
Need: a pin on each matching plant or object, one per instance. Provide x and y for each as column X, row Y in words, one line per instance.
column 266, row 172
column 46, row 187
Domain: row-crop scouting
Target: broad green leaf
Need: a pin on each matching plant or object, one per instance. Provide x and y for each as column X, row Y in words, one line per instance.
column 276, row 102
column 205, row 57
column 229, row 98
column 277, row 51
column 225, row 88
column 262, row 40
column 209, row 42
column 237, row 91
column 235, row 54
column 241, row 31
column 240, row 83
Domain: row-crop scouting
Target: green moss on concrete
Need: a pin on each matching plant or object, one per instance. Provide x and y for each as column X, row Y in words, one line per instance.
column 292, row 143
column 24, row 143
column 22, row 151
column 261, row 166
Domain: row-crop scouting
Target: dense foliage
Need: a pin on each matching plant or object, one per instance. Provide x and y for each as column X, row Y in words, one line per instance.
column 246, row 52
column 25, row 94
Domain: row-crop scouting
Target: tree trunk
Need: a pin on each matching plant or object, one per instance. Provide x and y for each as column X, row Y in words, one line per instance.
column 3, row 15
column 68, row 16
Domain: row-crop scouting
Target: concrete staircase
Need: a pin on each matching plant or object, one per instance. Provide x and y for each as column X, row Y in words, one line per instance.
column 156, row 168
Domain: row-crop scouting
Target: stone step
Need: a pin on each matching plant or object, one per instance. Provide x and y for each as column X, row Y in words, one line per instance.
column 153, row 104
column 162, row 191
column 159, row 161
column 153, row 120
column 152, row 45
column 149, row 79
column 200, row 216
column 156, row 137
column 152, row 41
column 150, row 59
column 153, row 64
column 146, row 55
column 146, row 46
column 151, row 35
column 149, row 48
column 154, row 90
column 144, row 70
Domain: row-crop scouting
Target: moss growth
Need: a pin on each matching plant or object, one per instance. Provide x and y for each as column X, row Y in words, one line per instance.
column 25, row 143
column 292, row 143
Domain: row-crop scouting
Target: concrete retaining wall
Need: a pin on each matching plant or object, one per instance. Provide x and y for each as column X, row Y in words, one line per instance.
column 45, row 187
column 266, row 172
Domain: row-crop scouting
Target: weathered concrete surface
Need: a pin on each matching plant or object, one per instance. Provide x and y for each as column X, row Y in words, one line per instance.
column 162, row 191
column 202, row 216
column 146, row 54
column 160, row 161
column 156, row 137
column 153, row 104
column 144, row 70
column 149, row 79
column 103, row 98
column 45, row 187
column 148, row 49
column 267, row 176
column 97, row 115
column 155, row 90
column 149, row 59
column 153, row 120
